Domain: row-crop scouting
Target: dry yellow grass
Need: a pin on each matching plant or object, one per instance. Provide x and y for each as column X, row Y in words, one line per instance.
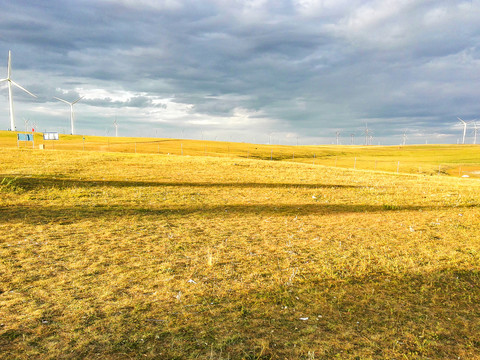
column 119, row 256
column 454, row 160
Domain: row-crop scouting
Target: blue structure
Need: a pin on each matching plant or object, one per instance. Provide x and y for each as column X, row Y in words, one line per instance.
column 24, row 137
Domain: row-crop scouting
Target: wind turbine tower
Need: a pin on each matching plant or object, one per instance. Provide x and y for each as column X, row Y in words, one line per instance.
column 352, row 135
column 464, row 129
column 338, row 136
column 116, row 127
column 72, row 115
column 404, row 138
column 475, row 131
column 10, row 82
column 368, row 136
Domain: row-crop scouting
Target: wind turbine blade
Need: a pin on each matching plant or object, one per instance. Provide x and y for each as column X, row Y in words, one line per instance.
column 9, row 66
column 20, row 87
column 80, row 98
column 461, row 120
column 65, row 101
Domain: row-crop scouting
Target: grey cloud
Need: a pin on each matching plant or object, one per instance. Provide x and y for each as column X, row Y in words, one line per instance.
column 135, row 102
column 308, row 69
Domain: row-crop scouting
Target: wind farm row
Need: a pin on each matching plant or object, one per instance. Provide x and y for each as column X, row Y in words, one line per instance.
column 11, row 83
column 366, row 133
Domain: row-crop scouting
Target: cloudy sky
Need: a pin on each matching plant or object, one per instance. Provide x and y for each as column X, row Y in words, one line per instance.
column 253, row 70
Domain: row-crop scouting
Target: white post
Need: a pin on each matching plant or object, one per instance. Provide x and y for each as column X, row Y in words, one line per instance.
column 355, row 164
column 398, row 166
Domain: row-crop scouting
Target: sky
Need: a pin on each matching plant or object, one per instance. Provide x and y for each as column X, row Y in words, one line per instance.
column 280, row 72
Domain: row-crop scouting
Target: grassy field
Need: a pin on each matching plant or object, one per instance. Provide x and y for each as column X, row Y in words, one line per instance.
column 123, row 255
column 455, row 160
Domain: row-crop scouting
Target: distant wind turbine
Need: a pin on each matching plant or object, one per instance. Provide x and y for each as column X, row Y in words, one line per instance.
column 116, row 127
column 475, row 131
column 72, row 116
column 338, row 136
column 404, row 138
column 464, row 129
column 352, row 135
column 368, row 135
column 10, row 82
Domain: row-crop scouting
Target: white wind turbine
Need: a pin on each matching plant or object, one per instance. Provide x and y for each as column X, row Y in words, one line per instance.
column 404, row 138
column 10, row 82
column 116, row 127
column 368, row 136
column 475, row 131
column 72, row 116
column 464, row 129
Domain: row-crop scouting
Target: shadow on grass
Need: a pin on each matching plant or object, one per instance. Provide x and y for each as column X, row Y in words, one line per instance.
column 70, row 214
column 31, row 183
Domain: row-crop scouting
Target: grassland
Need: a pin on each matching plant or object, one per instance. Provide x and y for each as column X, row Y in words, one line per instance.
column 116, row 255
column 455, row 160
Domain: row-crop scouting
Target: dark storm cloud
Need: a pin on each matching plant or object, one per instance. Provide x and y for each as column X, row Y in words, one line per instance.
column 305, row 66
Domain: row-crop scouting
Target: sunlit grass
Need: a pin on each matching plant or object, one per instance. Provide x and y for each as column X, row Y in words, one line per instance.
column 123, row 255
column 455, row 160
